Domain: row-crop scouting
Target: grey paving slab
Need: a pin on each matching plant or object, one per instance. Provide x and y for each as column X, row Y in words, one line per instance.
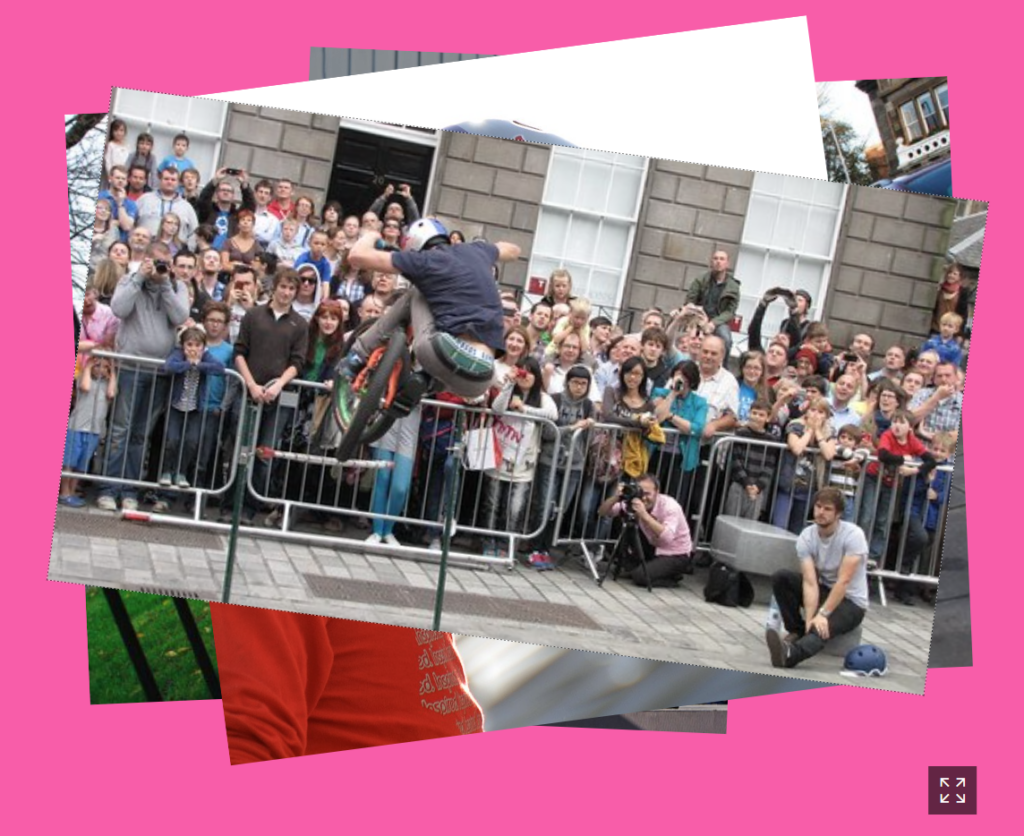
column 670, row 625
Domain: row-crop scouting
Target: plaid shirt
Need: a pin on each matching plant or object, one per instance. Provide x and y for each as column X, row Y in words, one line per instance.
column 946, row 415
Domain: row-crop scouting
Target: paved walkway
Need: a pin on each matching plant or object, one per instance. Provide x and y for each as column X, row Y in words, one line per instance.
column 562, row 608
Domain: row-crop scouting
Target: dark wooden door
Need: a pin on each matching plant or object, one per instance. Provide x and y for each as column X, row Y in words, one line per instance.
column 365, row 163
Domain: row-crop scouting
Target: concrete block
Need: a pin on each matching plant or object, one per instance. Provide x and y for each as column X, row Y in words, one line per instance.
column 525, row 216
column 537, row 159
column 841, row 645
column 255, row 131
column 652, row 241
column 916, row 264
column 718, row 227
column 888, row 287
column 685, row 248
column 907, row 320
column 450, row 201
column 857, row 309
column 293, row 117
column 936, row 241
column 525, row 187
column 641, row 296
column 903, row 234
column 923, row 295
column 730, row 176
column 848, row 280
column 274, row 165
column 934, row 211
column 670, row 216
column 668, row 298
column 523, row 239
column 860, row 225
column 701, row 194
column 316, row 174
column 513, row 273
column 663, row 186
column 869, row 256
column 879, row 201
column 737, row 201
column 474, row 178
column 657, row 271
column 244, row 108
column 503, row 153
column 461, row 146
column 325, row 122
column 490, row 210
column 235, row 155
column 309, row 143
column 678, row 167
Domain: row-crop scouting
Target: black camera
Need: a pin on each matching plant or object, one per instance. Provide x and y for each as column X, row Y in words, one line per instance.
column 849, row 357
column 224, row 276
column 162, row 267
column 678, row 385
column 630, row 490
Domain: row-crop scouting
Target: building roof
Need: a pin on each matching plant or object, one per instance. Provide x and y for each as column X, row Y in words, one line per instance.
column 966, row 238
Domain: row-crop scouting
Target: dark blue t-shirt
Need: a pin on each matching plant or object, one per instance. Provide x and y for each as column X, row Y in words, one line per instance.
column 459, row 286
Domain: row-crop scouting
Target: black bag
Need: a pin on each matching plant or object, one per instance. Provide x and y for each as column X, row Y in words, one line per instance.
column 728, row 587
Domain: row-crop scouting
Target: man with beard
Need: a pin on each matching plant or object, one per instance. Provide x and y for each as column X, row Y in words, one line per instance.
column 717, row 293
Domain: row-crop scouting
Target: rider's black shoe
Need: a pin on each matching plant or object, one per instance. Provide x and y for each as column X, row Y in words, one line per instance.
column 416, row 386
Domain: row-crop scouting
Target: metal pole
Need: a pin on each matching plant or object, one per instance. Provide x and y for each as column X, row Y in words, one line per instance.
column 131, row 644
column 195, row 639
column 241, row 478
column 450, row 494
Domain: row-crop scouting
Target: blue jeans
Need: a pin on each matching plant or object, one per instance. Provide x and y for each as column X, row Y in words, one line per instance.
column 141, row 398
column 790, row 510
column 274, row 421
column 182, row 443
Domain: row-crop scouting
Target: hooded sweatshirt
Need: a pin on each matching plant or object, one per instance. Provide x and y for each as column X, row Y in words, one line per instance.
column 149, row 313
column 570, row 411
column 307, row 309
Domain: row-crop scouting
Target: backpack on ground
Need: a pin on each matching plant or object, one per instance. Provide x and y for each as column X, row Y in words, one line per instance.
column 728, row 587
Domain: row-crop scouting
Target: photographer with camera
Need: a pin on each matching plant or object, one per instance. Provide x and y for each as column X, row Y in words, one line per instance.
column 151, row 304
column 664, row 528
column 794, row 327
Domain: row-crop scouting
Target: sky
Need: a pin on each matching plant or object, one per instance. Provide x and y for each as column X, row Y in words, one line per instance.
column 849, row 104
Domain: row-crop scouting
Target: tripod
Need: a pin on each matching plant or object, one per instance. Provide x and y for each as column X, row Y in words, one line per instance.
column 628, row 551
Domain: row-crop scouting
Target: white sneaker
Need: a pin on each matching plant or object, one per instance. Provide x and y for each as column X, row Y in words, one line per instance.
column 391, row 540
column 374, row 540
column 435, row 544
column 161, row 506
column 106, row 503
column 129, row 504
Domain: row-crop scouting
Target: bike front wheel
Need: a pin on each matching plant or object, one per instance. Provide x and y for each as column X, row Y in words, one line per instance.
column 363, row 417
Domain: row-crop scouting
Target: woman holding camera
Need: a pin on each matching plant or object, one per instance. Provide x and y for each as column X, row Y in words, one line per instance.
column 686, row 412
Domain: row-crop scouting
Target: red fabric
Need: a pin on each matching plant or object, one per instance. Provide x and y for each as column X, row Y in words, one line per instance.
column 305, row 684
column 275, row 209
column 912, row 447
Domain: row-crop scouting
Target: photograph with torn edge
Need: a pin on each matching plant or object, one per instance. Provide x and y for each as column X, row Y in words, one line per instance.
column 296, row 685
column 507, row 418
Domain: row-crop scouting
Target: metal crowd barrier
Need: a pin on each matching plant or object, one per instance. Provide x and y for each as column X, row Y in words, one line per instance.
column 301, row 477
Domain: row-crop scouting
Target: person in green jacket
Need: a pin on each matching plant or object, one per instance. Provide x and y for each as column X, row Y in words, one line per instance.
column 717, row 293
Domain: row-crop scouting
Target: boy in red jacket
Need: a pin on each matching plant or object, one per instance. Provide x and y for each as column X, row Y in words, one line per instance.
column 900, row 453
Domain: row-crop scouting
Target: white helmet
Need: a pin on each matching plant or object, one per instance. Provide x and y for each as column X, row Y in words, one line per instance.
column 426, row 233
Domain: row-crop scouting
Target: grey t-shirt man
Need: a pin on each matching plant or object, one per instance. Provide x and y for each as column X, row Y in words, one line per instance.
column 828, row 553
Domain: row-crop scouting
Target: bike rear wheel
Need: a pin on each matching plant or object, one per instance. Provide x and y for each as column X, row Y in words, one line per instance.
column 368, row 415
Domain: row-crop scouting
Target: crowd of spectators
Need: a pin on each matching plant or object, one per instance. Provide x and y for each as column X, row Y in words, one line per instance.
column 255, row 278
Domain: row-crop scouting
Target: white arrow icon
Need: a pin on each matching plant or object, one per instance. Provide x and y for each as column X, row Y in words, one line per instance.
column 944, row 799
column 961, row 782
column 943, row 782
column 961, row 799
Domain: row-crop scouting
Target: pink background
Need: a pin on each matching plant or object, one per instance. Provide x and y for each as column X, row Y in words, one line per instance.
column 835, row 760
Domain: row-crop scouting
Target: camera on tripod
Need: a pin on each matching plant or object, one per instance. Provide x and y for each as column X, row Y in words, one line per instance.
column 629, row 489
